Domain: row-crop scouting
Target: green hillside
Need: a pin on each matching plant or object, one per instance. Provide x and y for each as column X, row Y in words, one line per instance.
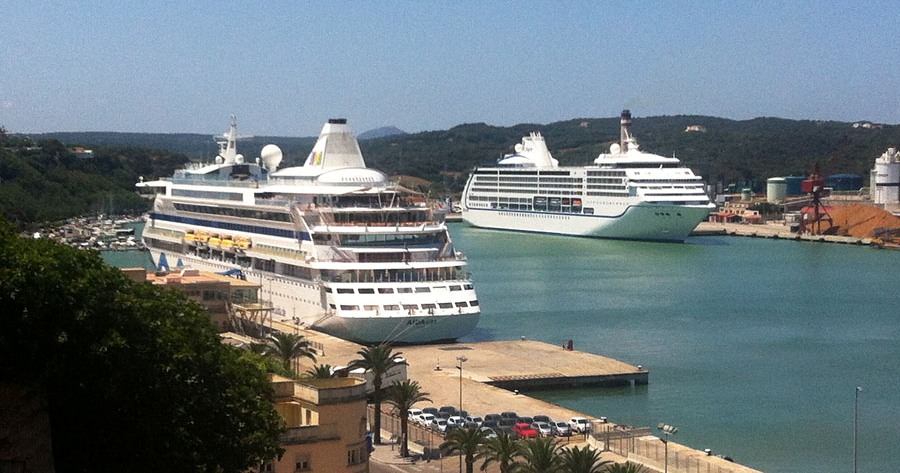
column 48, row 182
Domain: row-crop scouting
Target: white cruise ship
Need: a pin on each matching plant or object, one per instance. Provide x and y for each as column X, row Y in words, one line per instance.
column 335, row 245
column 627, row 193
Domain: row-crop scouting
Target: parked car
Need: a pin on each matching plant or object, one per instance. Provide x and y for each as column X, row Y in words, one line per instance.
column 560, row 429
column 507, row 422
column 414, row 414
column 525, row 431
column 439, row 425
column 455, row 421
column 543, row 429
column 580, row 425
column 444, row 415
column 524, row 420
column 425, row 419
column 450, row 409
column 493, row 417
column 542, row 418
column 489, row 433
column 490, row 423
column 509, row 415
column 508, row 430
column 471, row 425
column 475, row 419
column 430, row 410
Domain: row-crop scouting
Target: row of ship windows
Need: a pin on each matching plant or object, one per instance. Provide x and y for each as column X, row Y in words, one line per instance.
column 666, row 181
column 234, row 212
column 606, row 173
column 390, row 290
column 410, row 307
column 234, row 227
column 541, row 180
column 526, row 207
column 533, row 190
column 207, row 194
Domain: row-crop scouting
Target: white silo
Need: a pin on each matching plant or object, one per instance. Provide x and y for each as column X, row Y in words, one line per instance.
column 886, row 178
column 776, row 190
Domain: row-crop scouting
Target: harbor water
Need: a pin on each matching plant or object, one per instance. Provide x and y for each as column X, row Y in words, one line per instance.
column 755, row 347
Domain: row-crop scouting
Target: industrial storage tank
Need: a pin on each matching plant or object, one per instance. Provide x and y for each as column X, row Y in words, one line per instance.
column 844, row 182
column 795, row 185
column 776, row 190
column 886, row 178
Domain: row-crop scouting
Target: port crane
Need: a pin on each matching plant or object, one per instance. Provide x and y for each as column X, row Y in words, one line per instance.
column 812, row 221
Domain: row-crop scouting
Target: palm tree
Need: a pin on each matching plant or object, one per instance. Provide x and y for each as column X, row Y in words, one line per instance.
column 625, row 468
column 378, row 360
column 289, row 346
column 320, row 372
column 503, row 450
column 466, row 442
column 403, row 395
column 541, row 455
column 583, row 460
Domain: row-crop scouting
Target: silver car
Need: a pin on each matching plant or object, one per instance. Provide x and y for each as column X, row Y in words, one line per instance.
column 543, row 429
column 560, row 429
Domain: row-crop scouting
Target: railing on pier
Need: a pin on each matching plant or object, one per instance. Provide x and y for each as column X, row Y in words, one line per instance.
column 639, row 445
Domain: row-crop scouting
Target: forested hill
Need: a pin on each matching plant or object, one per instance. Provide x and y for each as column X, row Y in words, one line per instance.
column 745, row 151
column 41, row 179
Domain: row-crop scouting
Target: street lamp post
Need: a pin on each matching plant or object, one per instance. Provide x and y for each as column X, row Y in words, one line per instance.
column 855, row 424
column 461, row 360
column 667, row 430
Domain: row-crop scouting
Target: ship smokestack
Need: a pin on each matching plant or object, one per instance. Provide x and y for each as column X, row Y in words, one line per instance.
column 625, row 134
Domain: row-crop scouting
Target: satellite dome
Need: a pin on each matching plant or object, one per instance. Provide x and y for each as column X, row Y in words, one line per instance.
column 615, row 148
column 239, row 159
column 271, row 157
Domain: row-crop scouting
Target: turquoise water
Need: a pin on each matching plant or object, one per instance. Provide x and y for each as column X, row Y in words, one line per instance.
column 754, row 346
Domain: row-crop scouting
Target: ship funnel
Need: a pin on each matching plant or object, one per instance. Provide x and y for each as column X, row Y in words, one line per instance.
column 336, row 148
column 625, row 134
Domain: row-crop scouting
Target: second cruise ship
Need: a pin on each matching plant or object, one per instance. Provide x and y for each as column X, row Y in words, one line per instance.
column 626, row 194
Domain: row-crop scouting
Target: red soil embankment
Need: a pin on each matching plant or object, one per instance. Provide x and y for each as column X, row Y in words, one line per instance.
column 862, row 221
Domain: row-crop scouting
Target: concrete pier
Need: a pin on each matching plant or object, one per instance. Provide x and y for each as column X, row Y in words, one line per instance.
column 774, row 231
column 498, row 376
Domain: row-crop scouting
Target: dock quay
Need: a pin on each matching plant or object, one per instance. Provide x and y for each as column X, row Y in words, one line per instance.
column 774, row 231
column 498, row 376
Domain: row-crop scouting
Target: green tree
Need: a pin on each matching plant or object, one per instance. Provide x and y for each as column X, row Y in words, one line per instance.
column 465, row 442
column 320, row 372
column 541, row 455
column 127, row 374
column 288, row 347
column 378, row 360
column 504, row 450
column 582, row 460
column 627, row 467
column 403, row 395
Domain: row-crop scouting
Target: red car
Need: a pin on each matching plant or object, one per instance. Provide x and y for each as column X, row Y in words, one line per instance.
column 525, row 431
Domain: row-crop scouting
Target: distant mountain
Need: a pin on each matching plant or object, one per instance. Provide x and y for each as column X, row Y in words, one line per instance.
column 382, row 132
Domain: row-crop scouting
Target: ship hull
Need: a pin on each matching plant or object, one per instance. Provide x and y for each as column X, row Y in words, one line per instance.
column 649, row 222
column 294, row 298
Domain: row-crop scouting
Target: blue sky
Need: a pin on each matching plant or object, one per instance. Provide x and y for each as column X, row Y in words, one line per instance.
column 285, row 67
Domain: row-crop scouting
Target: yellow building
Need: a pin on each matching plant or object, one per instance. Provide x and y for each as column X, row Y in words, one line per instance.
column 326, row 425
column 220, row 294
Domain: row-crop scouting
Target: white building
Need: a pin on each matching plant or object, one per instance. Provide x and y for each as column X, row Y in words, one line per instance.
column 885, row 179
